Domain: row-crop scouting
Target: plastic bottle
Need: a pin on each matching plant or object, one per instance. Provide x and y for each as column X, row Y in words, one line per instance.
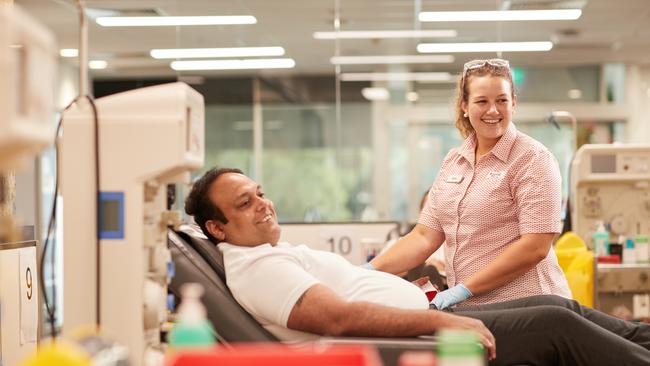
column 600, row 240
column 616, row 248
column 629, row 252
column 192, row 328
column 459, row 348
column 642, row 252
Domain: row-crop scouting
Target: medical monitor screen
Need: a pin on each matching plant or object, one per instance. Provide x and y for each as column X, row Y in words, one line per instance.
column 603, row 163
column 110, row 215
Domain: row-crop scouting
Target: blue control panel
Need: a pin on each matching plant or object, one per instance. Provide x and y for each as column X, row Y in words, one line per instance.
column 111, row 215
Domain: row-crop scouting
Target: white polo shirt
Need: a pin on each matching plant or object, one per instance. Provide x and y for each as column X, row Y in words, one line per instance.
column 268, row 280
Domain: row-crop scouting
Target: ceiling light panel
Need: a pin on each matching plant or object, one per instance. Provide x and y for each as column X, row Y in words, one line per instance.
column 375, row 93
column 97, row 64
column 499, row 15
column 69, row 52
column 377, row 34
column 397, row 59
column 272, row 63
column 412, row 96
column 175, row 21
column 484, row 47
column 399, row 76
column 216, row 52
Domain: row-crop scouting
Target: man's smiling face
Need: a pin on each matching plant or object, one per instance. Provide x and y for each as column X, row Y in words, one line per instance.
column 251, row 216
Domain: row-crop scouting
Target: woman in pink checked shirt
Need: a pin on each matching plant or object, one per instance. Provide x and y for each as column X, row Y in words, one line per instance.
column 496, row 203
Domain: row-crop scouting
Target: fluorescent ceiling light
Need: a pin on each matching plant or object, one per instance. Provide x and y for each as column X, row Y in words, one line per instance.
column 412, row 96
column 500, row 15
column 405, row 59
column 269, row 63
column 69, row 52
column 97, row 12
column 216, row 52
column 97, row 64
column 574, row 93
column 373, row 34
column 153, row 21
column 399, row 76
column 484, row 47
column 375, row 93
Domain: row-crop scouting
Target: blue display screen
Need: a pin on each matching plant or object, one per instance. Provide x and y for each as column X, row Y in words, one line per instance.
column 111, row 215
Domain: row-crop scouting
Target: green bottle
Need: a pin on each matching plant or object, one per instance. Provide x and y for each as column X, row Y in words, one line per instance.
column 600, row 240
column 460, row 348
column 192, row 328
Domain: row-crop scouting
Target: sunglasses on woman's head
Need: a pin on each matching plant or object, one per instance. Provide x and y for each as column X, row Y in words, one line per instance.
column 477, row 64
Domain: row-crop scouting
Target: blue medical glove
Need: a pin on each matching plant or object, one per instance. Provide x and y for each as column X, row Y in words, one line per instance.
column 368, row 266
column 451, row 296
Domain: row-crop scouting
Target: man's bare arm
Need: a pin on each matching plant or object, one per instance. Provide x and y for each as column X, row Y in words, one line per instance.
column 321, row 311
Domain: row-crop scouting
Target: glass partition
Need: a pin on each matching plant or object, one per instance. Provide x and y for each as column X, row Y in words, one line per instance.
column 314, row 168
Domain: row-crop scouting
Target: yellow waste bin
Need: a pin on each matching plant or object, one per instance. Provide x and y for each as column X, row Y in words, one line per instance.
column 577, row 262
column 567, row 247
column 581, row 278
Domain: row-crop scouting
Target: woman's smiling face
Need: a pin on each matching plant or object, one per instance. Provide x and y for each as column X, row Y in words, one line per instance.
column 489, row 106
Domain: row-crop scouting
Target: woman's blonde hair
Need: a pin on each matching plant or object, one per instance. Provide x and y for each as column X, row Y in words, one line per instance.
column 462, row 123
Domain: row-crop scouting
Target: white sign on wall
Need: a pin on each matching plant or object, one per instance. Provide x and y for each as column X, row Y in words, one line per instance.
column 355, row 241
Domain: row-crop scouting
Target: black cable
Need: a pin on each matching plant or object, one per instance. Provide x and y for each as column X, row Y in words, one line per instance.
column 567, row 225
column 50, row 227
column 51, row 223
column 97, row 210
column 51, row 311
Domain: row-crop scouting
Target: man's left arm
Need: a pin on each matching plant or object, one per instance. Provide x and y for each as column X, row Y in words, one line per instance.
column 321, row 311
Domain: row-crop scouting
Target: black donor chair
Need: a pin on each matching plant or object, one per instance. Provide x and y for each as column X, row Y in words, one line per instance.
column 198, row 260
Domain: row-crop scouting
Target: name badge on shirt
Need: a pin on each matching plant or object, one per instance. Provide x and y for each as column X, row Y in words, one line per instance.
column 496, row 174
column 454, row 179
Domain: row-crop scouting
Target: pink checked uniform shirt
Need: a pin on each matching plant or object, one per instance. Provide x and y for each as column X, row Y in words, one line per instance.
column 483, row 207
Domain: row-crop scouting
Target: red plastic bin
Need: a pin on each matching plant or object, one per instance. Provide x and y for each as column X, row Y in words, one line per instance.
column 255, row 354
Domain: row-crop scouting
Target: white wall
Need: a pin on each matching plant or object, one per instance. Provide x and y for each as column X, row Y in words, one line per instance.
column 638, row 103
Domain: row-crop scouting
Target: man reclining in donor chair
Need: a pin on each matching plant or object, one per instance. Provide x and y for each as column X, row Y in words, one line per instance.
column 298, row 293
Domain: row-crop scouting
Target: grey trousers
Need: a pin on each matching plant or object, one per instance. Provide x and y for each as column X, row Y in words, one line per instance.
column 551, row 330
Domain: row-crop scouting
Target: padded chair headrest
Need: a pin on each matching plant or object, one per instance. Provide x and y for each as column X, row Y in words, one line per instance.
column 198, row 260
column 207, row 249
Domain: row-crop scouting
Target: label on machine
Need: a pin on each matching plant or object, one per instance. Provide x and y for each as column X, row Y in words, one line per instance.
column 28, row 295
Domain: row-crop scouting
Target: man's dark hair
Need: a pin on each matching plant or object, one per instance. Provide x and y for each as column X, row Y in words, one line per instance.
column 198, row 204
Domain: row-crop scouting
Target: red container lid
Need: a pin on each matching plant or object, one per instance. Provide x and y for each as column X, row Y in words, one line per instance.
column 611, row 258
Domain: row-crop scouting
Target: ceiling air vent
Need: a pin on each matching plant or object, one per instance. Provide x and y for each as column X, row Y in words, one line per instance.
column 543, row 4
column 135, row 12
